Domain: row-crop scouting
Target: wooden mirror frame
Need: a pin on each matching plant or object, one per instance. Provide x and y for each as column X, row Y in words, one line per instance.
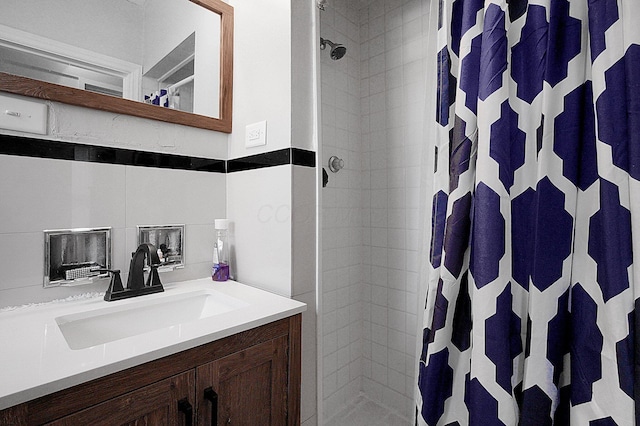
column 53, row 92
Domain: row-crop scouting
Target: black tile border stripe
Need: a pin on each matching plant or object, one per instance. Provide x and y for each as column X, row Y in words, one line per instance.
column 58, row 150
column 295, row 156
column 302, row 157
column 258, row 161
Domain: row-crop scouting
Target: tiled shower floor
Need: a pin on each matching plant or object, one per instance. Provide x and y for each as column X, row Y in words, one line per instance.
column 364, row 412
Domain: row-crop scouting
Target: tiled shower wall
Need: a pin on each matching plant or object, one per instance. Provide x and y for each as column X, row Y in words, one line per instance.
column 393, row 34
column 342, row 267
column 371, row 210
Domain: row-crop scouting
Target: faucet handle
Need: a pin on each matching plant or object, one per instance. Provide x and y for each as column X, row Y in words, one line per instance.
column 115, row 285
column 154, row 278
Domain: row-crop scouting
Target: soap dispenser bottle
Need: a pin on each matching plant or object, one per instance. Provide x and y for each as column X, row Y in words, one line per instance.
column 220, row 270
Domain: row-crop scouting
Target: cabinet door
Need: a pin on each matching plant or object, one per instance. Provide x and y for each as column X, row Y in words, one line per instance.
column 167, row 402
column 249, row 387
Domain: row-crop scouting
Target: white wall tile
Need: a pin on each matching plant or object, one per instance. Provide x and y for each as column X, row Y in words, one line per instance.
column 166, row 196
column 391, row 35
column 43, row 194
column 72, row 194
column 393, row 18
column 21, row 260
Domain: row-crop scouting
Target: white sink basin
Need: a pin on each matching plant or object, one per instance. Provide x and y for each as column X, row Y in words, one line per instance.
column 138, row 316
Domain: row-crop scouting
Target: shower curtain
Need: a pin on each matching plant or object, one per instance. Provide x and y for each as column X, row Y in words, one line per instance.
column 530, row 308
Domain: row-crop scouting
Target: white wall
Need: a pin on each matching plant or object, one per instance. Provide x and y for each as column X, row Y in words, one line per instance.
column 259, row 204
column 264, row 88
column 92, row 127
column 273, row 209
column 262, row 73
column 303, row 50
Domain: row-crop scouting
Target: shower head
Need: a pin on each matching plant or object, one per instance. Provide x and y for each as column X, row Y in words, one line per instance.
column 337, row 50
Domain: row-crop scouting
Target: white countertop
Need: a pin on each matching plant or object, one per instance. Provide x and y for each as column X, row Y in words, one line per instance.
column 36, row 360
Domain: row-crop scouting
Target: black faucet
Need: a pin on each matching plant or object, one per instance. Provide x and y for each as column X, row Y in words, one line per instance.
column 146, row 253
column 135, row 281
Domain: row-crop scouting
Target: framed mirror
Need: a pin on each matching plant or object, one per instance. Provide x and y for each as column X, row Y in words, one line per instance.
column 167, row 60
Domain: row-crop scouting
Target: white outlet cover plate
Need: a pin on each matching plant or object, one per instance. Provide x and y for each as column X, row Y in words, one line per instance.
column 256, row 134
column 23, row 115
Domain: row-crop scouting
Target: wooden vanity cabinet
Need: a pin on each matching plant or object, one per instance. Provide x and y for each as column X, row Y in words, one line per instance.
column 250, row 378
column 162, row 403
column 245, row 388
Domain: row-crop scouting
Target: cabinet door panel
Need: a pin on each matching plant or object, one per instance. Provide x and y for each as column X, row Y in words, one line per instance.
column 155, row 404
column 251, row 386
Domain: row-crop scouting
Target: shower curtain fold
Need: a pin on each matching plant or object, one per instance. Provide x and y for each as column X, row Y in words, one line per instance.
column 530, row 314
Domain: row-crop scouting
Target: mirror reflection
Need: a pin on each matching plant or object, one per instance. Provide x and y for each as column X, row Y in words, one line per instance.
column 165, row 53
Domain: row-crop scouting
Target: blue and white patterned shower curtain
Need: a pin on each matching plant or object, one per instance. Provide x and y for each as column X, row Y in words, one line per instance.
column 529, row 316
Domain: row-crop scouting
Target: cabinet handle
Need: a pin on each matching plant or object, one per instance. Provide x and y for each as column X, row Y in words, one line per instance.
column 212, row 396
column 184, row 406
